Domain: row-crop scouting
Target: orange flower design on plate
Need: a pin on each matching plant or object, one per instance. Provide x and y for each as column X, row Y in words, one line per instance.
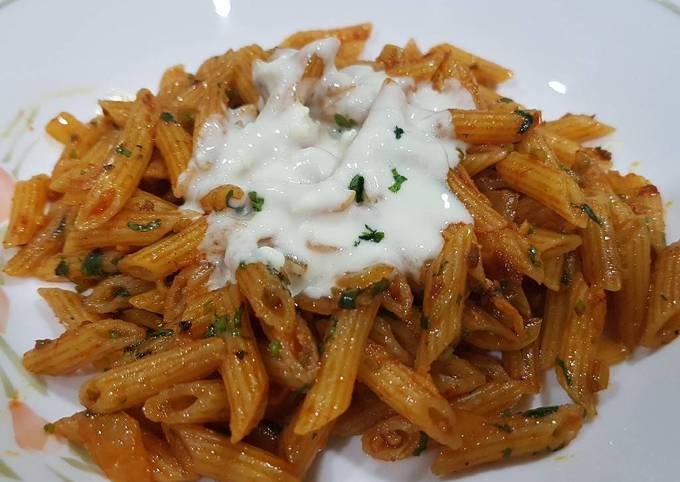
column 6, row 192
column 29, row 432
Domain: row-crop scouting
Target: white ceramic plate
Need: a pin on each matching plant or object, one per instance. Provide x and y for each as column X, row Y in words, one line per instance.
column 619, row 59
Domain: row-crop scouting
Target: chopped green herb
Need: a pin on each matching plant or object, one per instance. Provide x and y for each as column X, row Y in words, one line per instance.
column 114, row 334
column 380, row 286
column 333, row 329
column 255, row 201
column 143, row 228
column 274, row 348
column 230, row 195
column 92, row 264
column 398, row 132
column 62, row 268
column 185, row 326
column 348, row 298
column 123, row 151
column 505, row 100
column 580, row 307
column 527, row 121
column 590, row 213
column 424, row 322
column 422, row 444
column 398, row 180
column 503, row 427
column 344, row 122
column 217, row 327
column 167, row 117
column 507, row 452
column 120, row 292
column 567, row 375
column 240, row 354
column 48, row 428
column 357, row 185
column 540, row 412
column 533, row 252
column 159, row 333
column 370, row 235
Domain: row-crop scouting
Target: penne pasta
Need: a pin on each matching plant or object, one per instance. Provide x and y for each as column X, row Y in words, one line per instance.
column 201, row 401
column 68, row 306
column 26, row 216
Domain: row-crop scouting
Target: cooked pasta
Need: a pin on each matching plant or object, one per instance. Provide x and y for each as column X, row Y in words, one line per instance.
column 251, row 283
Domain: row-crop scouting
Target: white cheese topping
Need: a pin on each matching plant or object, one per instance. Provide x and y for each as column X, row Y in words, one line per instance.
column 296, row 158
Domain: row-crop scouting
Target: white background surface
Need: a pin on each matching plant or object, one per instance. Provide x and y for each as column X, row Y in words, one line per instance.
column 618, row 59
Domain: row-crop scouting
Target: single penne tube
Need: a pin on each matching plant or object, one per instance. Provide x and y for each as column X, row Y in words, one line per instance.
column 242, row 369
column 546, row 184
column 270, row 299
column 79, row 347
column 557, row 309
column 66, row 128
column 398, row 297
column 143, row 318
column 190, row 283
column 175, row 146
column 565, row 149
column 410, row 394
column 392, row 439
column 492, row 127
column 552, row 270
column 210, row 453
column 584, row 325
column 242, row 75
column 476, row 162
column 117, row 110
column 533, row 432
column 578, row 127
column 451, row 68
column 630, row 302
column 455, row 376
column 382, row 334
column 173, row 82
column 26, row 215
column 167, row 255
column 145, row 202
column 211, row 105
column 664, row 296
column 68, row 307
column 127, row 161
column 47, row 242
column 111, row 294
column 129, row 385
column 165, row 467
column 493, row 397
column 521, row 365
column 152, row 300
column 601, row 262
column 202, row 401
column 486, row 218
column 125, row 229
column 445, row 286
column 156, row 171
column 331, row 393
column 301, row 450
column 422, row 69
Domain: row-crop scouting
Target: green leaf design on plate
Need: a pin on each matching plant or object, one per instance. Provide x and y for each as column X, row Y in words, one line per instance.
column 35, row 382
column 10, row 390
column 61, row 476
column 8, row 472
column 83, row 466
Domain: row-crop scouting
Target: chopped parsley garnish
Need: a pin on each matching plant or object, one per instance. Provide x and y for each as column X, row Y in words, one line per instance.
column 159, row 333
column 398, row 180
column 424, row 322
column 380, row 286
column 527, row 121
column 422, row 444
column 255, row 201
column 123, row 151
column 398, row 132
column 274, row 348
column 507, row 452
column 567, row 375
column 167, row 117
column 533, row 252
column 62, row 268
column 590, row 213
column 503, row 427
column 344, row 122
column 230, row 195
column 217, row 327
column 348, row 298
column 92, row 264
column 357, row 185
column 143, row 228
column 120, row 292
column 48, row 428
column 114, row 334
column 540, row 412
column 370, row 235
column 580, row 307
